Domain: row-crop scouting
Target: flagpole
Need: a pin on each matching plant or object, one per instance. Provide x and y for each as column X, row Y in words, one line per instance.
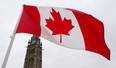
column 9, row 47
column 8, row 51
column 10, row 44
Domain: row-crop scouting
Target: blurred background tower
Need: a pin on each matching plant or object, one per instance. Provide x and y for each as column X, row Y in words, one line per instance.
column 33, row 58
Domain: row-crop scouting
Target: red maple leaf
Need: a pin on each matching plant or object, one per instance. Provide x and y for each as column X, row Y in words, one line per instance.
column 59, row 26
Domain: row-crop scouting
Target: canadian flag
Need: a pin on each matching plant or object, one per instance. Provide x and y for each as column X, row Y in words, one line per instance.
column 66, row 27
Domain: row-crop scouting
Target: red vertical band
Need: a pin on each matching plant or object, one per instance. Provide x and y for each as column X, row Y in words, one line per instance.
column 93, row 33
column 30, row 21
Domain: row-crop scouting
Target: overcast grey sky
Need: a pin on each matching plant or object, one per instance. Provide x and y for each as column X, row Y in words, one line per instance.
column 55, row 56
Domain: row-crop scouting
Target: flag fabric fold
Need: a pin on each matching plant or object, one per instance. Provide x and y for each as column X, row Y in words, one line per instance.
column 66, row 27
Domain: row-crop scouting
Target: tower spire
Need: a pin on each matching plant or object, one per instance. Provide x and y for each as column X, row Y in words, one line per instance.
column 33, row 58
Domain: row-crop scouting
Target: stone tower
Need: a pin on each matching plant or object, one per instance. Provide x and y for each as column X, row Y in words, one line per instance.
column 33, row 58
